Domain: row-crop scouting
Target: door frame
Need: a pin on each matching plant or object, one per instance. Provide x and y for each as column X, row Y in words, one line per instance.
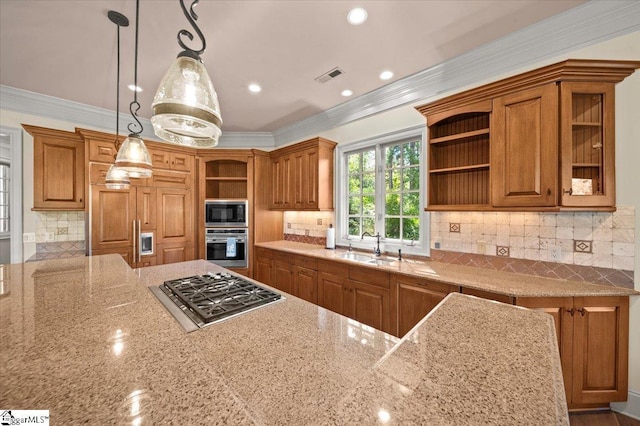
column 15, row 197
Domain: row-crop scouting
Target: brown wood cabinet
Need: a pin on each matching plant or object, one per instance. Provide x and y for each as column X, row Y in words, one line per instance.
column 58, row 169
column 117, row 217
column 332, row 286
column 593, row 338
column 302, row 176
column 542, row 140
column 416, row 297
column 305, row 279
column 524, row 148
column 263, row 266
column 170, row 160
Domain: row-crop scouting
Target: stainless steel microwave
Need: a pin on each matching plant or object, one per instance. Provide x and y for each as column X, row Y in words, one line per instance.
column 230, row 213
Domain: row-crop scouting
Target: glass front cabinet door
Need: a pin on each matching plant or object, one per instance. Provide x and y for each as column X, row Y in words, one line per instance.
column 587, row 144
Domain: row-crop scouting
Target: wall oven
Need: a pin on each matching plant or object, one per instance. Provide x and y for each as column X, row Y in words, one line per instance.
column 228, row 247
column 228, row 213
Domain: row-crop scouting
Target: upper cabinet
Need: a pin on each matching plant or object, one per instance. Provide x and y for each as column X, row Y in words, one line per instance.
column 58, row 169
column 542, row 140
column 302, row 176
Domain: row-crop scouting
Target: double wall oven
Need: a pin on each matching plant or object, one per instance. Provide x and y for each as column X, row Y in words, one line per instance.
column 227, row 232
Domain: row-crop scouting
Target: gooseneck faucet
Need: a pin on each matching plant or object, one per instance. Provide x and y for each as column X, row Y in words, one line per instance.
column 376, row 251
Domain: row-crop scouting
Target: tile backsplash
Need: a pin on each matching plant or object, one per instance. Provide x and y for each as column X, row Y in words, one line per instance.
column 598, row 239
column 58, row 226
column 308, row 227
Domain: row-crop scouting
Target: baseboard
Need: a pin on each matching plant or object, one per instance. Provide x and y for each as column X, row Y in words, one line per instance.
column 629, row 408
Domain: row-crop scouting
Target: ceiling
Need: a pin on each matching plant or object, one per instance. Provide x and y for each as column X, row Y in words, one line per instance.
column 67, row 48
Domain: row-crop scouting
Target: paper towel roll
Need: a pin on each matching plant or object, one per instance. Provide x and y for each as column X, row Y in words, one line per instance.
column 331, row 237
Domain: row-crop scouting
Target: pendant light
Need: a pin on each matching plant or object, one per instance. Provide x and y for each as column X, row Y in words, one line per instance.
column 185, row 107
column 133, row 156
column 117, row 178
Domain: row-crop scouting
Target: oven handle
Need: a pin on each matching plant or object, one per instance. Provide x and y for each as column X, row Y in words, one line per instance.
column 238, row 240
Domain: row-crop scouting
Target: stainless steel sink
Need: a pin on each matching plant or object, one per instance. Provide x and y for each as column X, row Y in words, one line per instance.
column 362, row 258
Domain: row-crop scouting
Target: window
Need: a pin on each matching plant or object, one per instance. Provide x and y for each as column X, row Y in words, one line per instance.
column 4, row 199
column 382, row 181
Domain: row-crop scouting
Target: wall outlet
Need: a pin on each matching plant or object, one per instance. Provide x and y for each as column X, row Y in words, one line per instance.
column 437, row 242
column 29, row 237
column 482, row 247
column 554, row 254
column 319, row 221
column 306, row 232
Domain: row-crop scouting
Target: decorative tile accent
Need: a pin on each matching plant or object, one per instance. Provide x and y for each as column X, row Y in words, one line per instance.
column 593, row 274
column 454, row 227
column 582, row 246
column 502, row 251
column 304, row 239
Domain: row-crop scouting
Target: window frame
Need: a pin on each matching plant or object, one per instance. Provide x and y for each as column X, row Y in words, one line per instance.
column 421, row 247
column 6, row 234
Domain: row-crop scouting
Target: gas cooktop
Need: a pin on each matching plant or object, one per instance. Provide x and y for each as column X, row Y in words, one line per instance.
column 202, row 300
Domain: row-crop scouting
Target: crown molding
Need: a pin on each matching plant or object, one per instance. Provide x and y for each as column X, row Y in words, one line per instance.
column 79, row 114
column 590, row 23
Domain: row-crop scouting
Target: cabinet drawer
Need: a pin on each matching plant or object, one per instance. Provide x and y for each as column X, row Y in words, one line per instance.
column 282, row 257
column 307, row 262
column 102, row 151
column 168, row 179
column 333, row 267
column 264, row 253
column 98, row 173
column 370, row 276
column 426, row 283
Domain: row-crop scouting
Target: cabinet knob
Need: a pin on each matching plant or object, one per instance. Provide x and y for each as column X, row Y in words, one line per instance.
column 570, row 191
column 582, row 311
column 548, row 191
column 571, row 311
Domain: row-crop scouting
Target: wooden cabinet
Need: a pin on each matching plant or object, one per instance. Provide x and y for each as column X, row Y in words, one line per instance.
column 263, row 270
column 117, row 218
column 170, row 160
column 305, row 279
column 416, row 297
column 524, row 148
column 332, row 286
column 302, row 176
column 587, row 144
column 369, row 299
column 542, row 140
column 58, row 169
column 487, row 295
column 593, row 338
column 283, row 275
column 175, row 213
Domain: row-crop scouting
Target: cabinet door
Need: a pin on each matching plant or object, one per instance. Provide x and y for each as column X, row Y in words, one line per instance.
column 263, row 270
column 58, row 181
column 113, row 212
column 283, row 276
column 299, row 194
column 416, row 298
column 524, row 148
column 173, row 253
column 370, row 305
column 587, row 144
column 306, row 284
column 146, row 205
column 160, row 159
column 281, row 185
column 180, row 162
column 310, row 179
column 333, row 291
column 600, row 349
column 175, row 216
column 561, row 309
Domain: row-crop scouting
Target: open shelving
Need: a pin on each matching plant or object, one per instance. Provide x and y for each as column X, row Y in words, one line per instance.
column 226, row 179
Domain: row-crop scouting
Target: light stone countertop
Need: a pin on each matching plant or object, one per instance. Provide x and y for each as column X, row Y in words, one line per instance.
column 500, row 282
column 85, row 339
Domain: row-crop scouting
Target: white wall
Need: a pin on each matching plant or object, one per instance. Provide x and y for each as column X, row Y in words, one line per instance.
column 627, row 152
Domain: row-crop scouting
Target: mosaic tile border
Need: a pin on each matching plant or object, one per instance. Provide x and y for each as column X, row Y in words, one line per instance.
column 305, row 239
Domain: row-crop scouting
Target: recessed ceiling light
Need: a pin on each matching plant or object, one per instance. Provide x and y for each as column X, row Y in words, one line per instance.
column 134, row 88
column 255, row 88
column 357, row 16
column 346, row 93
column 386, row 75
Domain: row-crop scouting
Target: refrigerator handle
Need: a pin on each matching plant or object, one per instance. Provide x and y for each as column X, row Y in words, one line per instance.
column 133, row 259
column 139, row 242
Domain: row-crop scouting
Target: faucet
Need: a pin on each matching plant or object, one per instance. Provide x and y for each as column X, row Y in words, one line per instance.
column 376, row 251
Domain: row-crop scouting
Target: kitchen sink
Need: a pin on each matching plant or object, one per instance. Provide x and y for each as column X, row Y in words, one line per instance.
column 363, row 258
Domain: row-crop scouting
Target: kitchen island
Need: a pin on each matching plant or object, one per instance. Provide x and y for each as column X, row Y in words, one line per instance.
column 85, row 339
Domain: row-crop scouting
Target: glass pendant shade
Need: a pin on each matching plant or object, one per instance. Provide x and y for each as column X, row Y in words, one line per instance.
column 185, row 108
column 133, row 156
column 117, row 178
column 147, row 173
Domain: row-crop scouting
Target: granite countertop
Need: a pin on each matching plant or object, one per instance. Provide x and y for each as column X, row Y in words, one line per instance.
column 500, row 282
column 85, row 339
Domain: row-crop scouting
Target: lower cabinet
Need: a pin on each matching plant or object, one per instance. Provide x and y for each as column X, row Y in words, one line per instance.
column 174, row 252
column 416, row 297
column 283, row 274
column 332, row 286
column 593, row 338
column 305, row 279
column 263, row 267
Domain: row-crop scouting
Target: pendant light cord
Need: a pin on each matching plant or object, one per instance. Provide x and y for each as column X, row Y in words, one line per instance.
column 135, row 106
column 192, row 17
column 117, row 142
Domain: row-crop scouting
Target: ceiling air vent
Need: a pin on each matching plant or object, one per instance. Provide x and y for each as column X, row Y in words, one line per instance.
column 329, row 75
